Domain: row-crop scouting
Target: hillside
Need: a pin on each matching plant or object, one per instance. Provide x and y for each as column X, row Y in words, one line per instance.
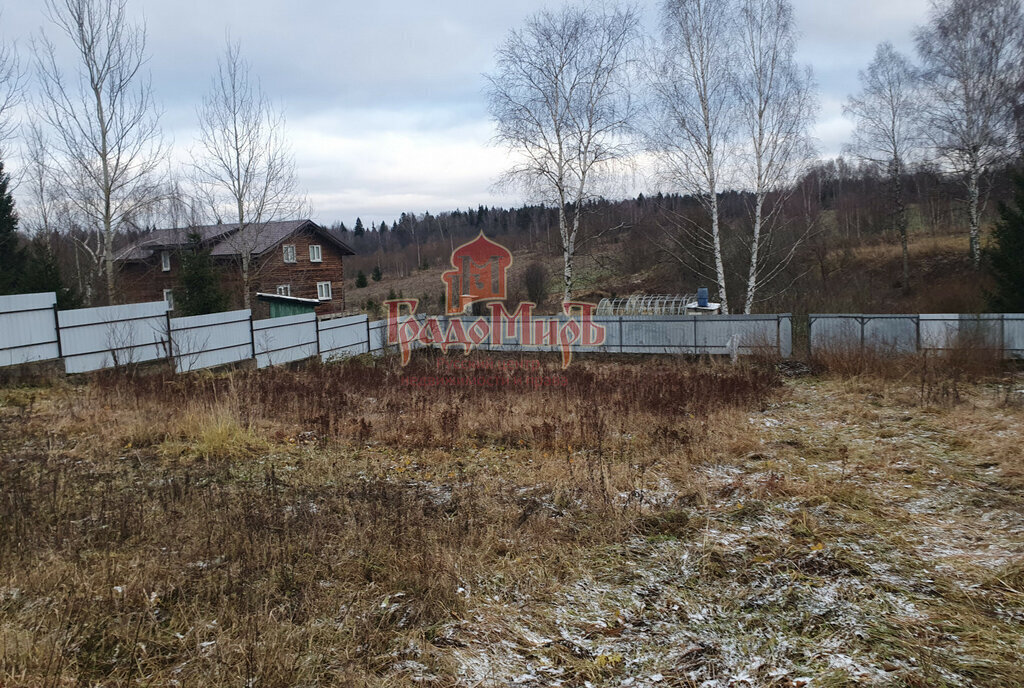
column 861, row 278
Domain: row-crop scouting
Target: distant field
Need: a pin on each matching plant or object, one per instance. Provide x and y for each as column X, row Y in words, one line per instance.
column 635, row 522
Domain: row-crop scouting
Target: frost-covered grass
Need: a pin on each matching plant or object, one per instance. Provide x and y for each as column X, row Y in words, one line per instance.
column 654, row 523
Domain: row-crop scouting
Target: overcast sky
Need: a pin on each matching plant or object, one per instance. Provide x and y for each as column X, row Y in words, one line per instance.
column 385, row 102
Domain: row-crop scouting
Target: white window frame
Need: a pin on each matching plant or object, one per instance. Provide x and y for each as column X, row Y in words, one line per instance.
column 316, row 254
column 284, row 290
column 169, row 298
column 324, row 292
column 288, row 251
column 165, row 261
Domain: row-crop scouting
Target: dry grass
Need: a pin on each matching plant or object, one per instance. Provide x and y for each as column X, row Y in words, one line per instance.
column 304, row 526
column 649, row 522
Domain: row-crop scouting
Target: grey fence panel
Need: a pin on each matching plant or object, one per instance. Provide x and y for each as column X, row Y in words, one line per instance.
column 751, row 333
column 612, row 336
column 28, row 328
column 282, row 340
column 341, row 337
column 786, row 335
column 891, row 333
column 984, row 331
column 835, row 332
column 206, row 341
column 1013, row 335
column 665, row 334
column 110, row 336
column 378, row 336
column 939, row 330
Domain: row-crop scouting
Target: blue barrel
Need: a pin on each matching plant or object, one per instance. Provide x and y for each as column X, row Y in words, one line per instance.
column 702, row 297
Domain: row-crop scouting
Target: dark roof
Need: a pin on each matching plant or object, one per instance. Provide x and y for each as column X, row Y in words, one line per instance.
column 225, row 240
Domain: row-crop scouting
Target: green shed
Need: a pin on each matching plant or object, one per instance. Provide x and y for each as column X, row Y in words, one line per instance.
column 281, row 305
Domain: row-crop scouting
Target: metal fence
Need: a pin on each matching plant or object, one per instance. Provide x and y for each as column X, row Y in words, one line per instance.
column 341, row 337
column 206, row 341
column 87, row 339
column 283, row 340
column 111, row 336
column 667, row 334
column 28, row 328
column 901, row 334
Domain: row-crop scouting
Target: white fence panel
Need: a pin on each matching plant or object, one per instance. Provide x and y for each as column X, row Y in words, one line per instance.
column 341, row 337
column 28, row 328
column 282, row 340
column 109, row 336
column 205, row 341
column 1013, row 335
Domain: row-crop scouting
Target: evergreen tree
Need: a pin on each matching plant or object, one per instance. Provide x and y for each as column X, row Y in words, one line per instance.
column 357, row 230
column 200, row 291
column 377, row 275
column 42, row 274
column 12, row 254
column 1006, row 254
column 360, row 280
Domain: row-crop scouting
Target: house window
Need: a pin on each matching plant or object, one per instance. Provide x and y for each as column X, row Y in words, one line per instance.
column 169, row 298
column 314, row 253
column 165, row 261
column 284, row 289
column 289, row 253
column 323, row 291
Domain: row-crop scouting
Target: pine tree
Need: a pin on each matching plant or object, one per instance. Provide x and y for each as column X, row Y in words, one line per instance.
column 360, row 280
column 12, row 254
column 377, row 275
column 1006, row 254
column 42, row 274
column 200, row 291
column 357, row 230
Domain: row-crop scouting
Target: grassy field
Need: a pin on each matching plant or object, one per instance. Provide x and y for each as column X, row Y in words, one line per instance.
column 634, row 522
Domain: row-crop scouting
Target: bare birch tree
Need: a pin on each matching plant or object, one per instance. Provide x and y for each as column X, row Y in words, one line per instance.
column 887, row 117
column 561, row 100
column 106, row 129
column 38, row 180
column 11, row 84
column 692, row 108
column 243, row 162
column 972, row 53
column 776, row 108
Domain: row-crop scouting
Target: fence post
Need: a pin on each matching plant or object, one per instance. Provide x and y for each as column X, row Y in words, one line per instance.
column 170, row 342
column 316, row 324
column 368, row 347
column 56, row 327
column 917, row 323
column 863, row 321
column 1002, row 336
column 695, row 352
column 252, row 337
column 621, row 348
